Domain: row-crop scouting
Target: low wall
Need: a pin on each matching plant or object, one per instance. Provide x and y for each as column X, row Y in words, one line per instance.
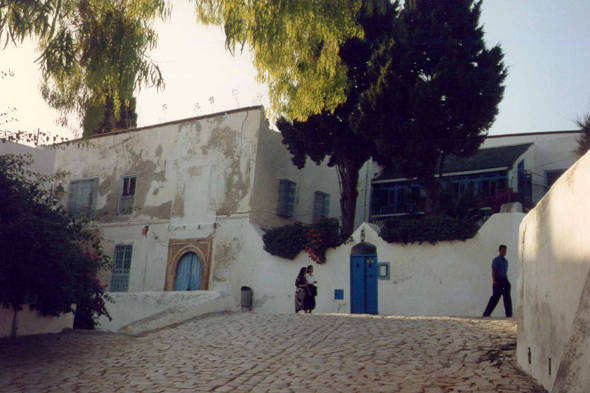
column 554, row 266
column 29, row 322
column 136, row 312
column 449, row 278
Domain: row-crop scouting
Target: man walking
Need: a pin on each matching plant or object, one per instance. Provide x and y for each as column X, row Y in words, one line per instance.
column 501, row 284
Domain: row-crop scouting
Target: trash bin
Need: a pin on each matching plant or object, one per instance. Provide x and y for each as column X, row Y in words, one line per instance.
column 246, row 299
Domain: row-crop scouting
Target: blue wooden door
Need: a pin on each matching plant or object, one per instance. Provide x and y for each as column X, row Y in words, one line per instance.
column 363, row 284
column 188, row 273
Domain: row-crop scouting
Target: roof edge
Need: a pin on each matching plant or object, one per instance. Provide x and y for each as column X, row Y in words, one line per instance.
column 535, row 133
column 170, row 123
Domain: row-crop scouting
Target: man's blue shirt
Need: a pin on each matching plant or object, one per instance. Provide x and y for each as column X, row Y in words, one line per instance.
column 500, row 265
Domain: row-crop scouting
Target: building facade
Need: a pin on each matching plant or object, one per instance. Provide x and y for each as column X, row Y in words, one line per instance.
column 171, row 202
column 525, row 164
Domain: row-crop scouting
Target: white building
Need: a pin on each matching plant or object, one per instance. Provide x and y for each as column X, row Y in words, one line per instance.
column 175, row 203
column 527, row 164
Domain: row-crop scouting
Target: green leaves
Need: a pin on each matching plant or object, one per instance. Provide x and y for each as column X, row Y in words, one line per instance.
column 436, row 90
column 294, row 45
column 431, row 229
column 47, row 258
column 287, row 241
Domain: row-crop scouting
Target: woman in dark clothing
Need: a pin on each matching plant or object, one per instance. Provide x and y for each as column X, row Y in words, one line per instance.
column 301, row 290
column 309, row 301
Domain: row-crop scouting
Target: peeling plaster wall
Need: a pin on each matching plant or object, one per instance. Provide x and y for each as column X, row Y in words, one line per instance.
column 440, row 280
column 273, row 163
column 553, row 268
column 189, row 173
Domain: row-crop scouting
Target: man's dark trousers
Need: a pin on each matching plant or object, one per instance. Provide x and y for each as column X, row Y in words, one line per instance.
column 501, row 289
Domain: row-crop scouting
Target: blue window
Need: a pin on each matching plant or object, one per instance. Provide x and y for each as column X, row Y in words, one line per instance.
column 551, row 177
column 338, row 294
column 397, row 198
column 286, row 198
column 321, row 205
column 120, row 276
column 384, row 272
column 82, row 197
column 408, row 196
column 127, row 195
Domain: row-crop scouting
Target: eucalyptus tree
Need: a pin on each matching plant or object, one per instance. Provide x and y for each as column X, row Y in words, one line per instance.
column 333, row 134
column 583, row 140
column 295, row 47
column 94, row 54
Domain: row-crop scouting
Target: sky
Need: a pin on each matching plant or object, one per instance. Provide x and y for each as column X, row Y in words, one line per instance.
column 545, row 43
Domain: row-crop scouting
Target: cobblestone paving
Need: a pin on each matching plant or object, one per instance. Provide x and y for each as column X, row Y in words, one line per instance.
column 274, row 353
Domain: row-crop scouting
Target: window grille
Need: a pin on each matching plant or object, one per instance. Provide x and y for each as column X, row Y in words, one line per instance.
column 127, row 195
column 321, row 205
column 286, row 198
column 82, row 197
column 120, row 276
column 552, row 176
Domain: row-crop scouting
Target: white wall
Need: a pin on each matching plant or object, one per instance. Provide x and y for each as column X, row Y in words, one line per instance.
column 44, row 158
column 129, row 308
column 29, row 322
column 273, row 163
column 197, row 178
column 554, row 265
column 440, row 280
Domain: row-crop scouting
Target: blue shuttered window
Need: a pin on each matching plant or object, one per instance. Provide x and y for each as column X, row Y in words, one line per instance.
column 127, row 195
column 286, row 198
column 120, row 277
column 82, row 197
column 321, row 205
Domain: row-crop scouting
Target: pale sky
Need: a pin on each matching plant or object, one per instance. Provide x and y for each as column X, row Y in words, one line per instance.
column 545, row 43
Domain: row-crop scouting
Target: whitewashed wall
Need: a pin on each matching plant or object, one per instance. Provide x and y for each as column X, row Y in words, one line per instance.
column 30, row 322
column 440, row 280
column 197, row 178
column 554, row 266
column 551, row 151
column 43, row 157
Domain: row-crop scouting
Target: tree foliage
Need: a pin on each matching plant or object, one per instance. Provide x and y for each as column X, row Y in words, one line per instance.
column 436, row 93
column 332, row 134
column 584, row 139
column 295, row 46
column 47, row 258
column 93, row 54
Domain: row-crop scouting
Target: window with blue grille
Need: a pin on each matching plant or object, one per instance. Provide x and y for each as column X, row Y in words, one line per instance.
column 286, row 198
column 120, row 276
column 551, row 177
column 127, row 195
column 321, row 205
column 82, row 197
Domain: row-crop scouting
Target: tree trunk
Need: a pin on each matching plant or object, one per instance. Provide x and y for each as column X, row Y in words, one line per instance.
column 349, row 176
column 432, row 191
column 14, row 329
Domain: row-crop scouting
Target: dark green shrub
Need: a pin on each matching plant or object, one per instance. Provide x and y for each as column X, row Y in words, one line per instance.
column 286, row 241
column 48, row 259
column 431, row 229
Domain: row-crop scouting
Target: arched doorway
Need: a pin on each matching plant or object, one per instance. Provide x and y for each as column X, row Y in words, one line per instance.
column 188, row 273
column 363, row 279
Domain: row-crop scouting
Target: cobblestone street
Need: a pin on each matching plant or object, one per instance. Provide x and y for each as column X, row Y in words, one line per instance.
column 275, row 353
